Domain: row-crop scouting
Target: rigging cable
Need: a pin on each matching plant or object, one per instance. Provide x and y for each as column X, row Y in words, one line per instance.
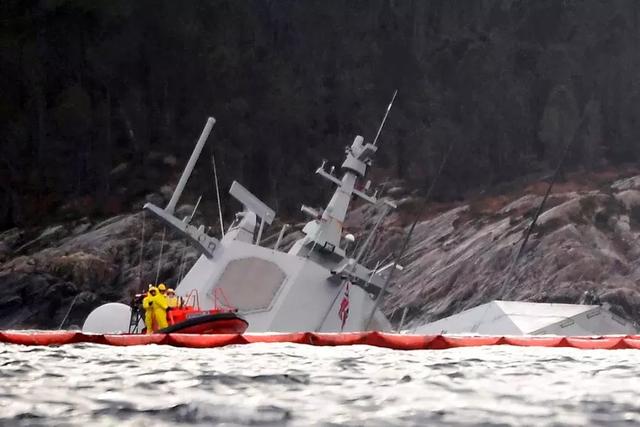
column 516, row 258
column 181, row 271
column 143, row 219
column 164, row 232
column 215, row 177
column 407, row 238
column 186, row 243
column 361, row 252
column 68, row 311
column 357, row 261
column 554, row 177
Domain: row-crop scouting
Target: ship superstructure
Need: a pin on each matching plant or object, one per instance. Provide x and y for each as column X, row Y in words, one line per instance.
column 319, row 284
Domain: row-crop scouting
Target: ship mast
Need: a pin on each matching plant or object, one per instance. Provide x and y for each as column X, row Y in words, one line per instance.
column 324, row 231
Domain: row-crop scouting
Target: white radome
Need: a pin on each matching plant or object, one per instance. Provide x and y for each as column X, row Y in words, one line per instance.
column 111, row 318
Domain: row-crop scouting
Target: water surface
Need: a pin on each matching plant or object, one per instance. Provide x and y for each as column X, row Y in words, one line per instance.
column 290, row 384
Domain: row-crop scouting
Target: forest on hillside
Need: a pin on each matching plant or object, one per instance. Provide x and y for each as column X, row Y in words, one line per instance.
column 101, row 101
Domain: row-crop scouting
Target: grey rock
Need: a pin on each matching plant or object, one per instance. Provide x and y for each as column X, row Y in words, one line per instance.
column 460, row 258
column 184, row 211
column 119, row 170
column 456, row 259
column 166, row 191
column 46, row 237
column 155, row 198
column 629, row 198
column 98, row 264
column 627, row 183
column 396, row 191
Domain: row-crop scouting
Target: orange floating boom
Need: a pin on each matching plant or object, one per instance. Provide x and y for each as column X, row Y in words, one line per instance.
column 378, row 339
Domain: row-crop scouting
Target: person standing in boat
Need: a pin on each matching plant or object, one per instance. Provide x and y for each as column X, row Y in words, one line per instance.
column 162, row 289
column 172, row 299
column 147, row 305
column 160, row 306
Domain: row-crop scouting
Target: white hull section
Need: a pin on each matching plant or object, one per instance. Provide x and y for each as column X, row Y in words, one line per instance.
column 528, row 318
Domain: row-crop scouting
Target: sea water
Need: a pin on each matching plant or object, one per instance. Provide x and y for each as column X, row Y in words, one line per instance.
column 290, row 384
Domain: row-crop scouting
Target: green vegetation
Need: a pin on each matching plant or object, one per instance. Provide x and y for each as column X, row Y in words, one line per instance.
column 88, row 86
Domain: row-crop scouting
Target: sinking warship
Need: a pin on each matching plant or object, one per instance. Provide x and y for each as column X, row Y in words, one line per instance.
column 319, row 284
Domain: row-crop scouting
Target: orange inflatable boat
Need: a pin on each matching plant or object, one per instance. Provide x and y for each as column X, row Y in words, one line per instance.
column 189, row 318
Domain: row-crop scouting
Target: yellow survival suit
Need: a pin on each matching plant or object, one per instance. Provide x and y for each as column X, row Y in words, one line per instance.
column 147, row 305
column 160, row 306
column 172, row 299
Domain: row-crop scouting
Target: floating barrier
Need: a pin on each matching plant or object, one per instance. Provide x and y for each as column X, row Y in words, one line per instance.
column 377, row 339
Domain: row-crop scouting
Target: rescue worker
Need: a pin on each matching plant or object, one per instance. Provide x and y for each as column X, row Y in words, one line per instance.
column 172, row 299
column 147, row 305
column 162, row 288
column 160, row 307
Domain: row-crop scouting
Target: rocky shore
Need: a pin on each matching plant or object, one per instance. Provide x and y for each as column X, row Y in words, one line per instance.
column 585, row 239
column 70, row 268
column 458, row 257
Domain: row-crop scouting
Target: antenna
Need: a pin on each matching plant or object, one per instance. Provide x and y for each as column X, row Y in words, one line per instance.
column 384, row 119
column 171, row 207
column 215, row 177
column 194, row 210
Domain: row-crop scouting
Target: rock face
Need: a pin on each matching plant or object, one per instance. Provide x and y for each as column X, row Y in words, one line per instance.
column 464, row 256
column 458, row 257
column 72, row 268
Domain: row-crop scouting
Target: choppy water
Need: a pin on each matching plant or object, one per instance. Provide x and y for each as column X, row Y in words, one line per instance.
column 287, row 384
